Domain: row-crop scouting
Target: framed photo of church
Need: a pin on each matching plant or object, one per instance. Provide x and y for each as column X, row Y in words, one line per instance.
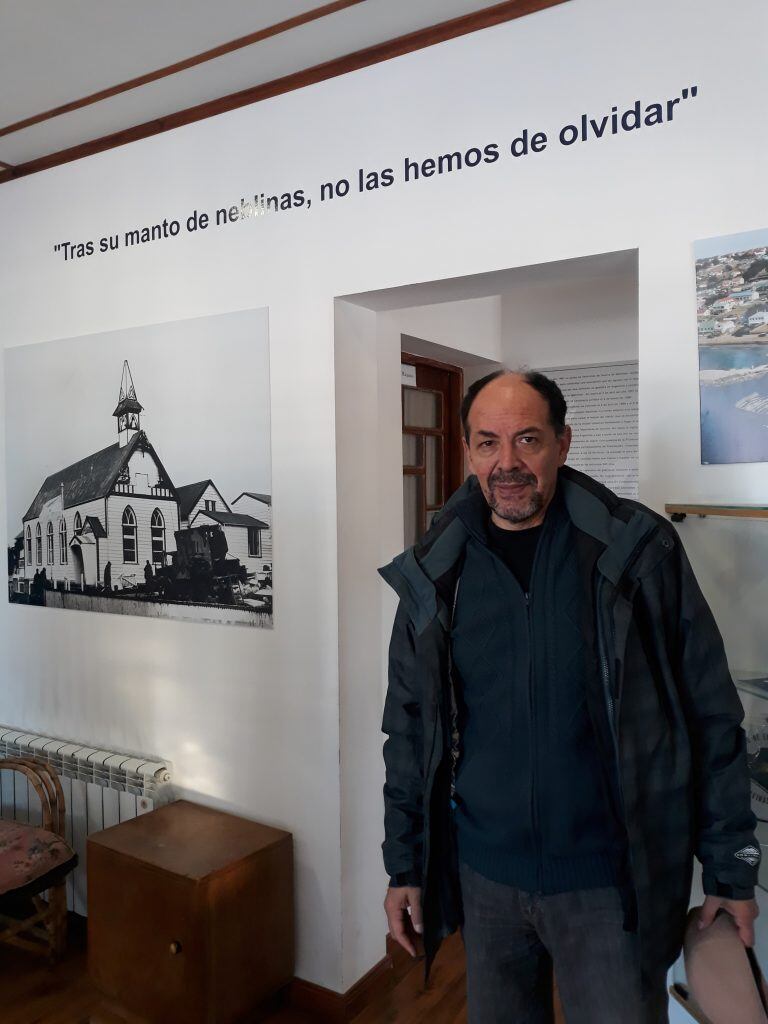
column 141, row 482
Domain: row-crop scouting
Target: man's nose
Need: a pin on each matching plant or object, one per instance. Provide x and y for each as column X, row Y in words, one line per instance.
column 509, row 456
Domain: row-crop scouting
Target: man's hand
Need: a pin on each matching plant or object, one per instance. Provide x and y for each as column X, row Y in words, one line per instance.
column 403, row 907
column 743, row 913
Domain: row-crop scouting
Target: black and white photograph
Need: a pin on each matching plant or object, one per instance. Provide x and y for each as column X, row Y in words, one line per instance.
column 139, row 472
column 732, row 313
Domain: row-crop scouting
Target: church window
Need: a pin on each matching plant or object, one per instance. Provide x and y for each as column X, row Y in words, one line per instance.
column 254, row 542
column 129, row 535
column 158, row 537
column 78, row 523
column 29, row 546
column 49, row 543
column 63, row 549
column 38, row 545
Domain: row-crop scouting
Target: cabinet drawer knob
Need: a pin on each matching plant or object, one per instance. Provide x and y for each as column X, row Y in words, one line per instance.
column 175, row 948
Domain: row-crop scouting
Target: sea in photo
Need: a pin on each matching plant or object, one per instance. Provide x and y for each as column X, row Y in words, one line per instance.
column 732, row 323
column 734, row 403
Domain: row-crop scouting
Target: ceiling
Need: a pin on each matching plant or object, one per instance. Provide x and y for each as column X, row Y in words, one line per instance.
column 55, row 54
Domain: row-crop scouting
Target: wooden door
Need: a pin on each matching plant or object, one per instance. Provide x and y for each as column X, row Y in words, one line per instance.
column 432, row 452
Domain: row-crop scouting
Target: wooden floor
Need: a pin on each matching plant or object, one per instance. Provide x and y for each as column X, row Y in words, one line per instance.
column 33, row 993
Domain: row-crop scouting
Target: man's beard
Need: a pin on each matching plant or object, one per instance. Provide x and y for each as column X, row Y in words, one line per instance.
column 512, row 511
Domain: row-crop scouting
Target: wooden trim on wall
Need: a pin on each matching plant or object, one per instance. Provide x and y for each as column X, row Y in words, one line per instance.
column 420, row 39
column 183, row 65
column 342, row 1007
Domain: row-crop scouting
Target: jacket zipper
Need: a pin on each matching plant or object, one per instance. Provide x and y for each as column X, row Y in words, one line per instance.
column 605, row 667
column 531, row 710
column 533, row 743
column 606, row 677
column 453, row 710
column 432, row 767
column 611, row 703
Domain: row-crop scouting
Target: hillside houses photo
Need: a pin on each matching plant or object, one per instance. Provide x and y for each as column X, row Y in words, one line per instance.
column 732, row 297
column 122, row 529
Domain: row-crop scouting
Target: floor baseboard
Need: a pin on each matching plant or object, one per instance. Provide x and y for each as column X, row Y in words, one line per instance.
column 342, row 1007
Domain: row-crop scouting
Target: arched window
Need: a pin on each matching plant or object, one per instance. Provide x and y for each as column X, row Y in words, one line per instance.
column 29, row 546
column 38, row 545
column 63, row 549
column 158, row 538
column 129, row 535
column 49, row 543
column 78, row 523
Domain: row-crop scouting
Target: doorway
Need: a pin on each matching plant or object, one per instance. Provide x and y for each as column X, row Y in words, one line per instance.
column 432, row 451
column 78, row 565
column 577, row 312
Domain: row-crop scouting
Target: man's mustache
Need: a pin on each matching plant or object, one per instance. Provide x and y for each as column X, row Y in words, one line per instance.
column 514, row 476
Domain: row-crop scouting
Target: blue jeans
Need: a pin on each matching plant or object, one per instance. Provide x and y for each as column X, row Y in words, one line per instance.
column 513, row 938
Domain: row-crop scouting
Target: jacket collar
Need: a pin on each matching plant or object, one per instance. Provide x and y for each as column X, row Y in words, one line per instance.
column 621, row 527
column 626, row 530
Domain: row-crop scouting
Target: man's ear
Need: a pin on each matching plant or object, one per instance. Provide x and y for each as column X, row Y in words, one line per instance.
column 565, row 443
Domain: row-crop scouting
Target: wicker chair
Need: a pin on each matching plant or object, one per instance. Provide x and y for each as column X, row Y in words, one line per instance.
column 35, row 860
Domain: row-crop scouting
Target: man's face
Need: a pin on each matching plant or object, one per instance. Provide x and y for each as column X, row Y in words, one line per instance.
column 514, row 451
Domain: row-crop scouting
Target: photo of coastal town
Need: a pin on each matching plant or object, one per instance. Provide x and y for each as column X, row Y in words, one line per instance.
column 732, row 313
column 138, row 467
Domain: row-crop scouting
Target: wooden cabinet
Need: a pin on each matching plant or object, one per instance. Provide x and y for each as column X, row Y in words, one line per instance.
column 190, row 914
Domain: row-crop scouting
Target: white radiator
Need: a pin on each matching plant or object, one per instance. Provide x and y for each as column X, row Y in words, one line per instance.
column 101, row 789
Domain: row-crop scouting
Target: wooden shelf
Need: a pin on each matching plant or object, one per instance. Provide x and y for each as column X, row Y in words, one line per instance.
column 681, row 995
column 678, row 512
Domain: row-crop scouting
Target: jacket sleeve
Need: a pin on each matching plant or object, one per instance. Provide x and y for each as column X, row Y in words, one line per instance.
column 403, row 759
column 726, row 844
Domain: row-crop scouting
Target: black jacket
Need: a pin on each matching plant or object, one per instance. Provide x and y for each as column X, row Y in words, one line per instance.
column 665, row 712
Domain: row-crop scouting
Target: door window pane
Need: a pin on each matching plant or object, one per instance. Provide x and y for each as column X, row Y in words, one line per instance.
column 413, row 450
column 412, row 498
column 422, row 408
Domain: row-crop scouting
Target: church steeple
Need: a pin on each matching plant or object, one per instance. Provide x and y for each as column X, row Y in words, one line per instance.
column 129, row 409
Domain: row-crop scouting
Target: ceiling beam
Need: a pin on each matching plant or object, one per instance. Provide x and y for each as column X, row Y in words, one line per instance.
column 183, row 65
column 477, row 20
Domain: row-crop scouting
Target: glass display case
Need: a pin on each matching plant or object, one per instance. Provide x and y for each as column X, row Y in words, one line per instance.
column 753, row 691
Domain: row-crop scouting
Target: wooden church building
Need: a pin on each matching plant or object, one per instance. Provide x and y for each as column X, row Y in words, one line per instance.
column 112, row 511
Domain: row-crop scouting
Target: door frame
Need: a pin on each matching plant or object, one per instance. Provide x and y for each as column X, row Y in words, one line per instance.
column 453, row 455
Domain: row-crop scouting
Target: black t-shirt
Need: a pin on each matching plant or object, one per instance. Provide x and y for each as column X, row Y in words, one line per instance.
column 517, row 549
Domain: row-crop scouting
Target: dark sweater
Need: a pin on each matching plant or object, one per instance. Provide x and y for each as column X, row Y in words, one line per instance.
column 531, row 803
column 517, row 549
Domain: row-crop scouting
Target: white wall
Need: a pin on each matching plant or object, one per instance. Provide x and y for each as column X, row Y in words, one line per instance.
column 361, row 463
column 581, row 314
column 251, row 722
column 465, row 331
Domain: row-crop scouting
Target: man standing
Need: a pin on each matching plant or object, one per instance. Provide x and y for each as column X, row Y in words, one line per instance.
column 563, row 733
